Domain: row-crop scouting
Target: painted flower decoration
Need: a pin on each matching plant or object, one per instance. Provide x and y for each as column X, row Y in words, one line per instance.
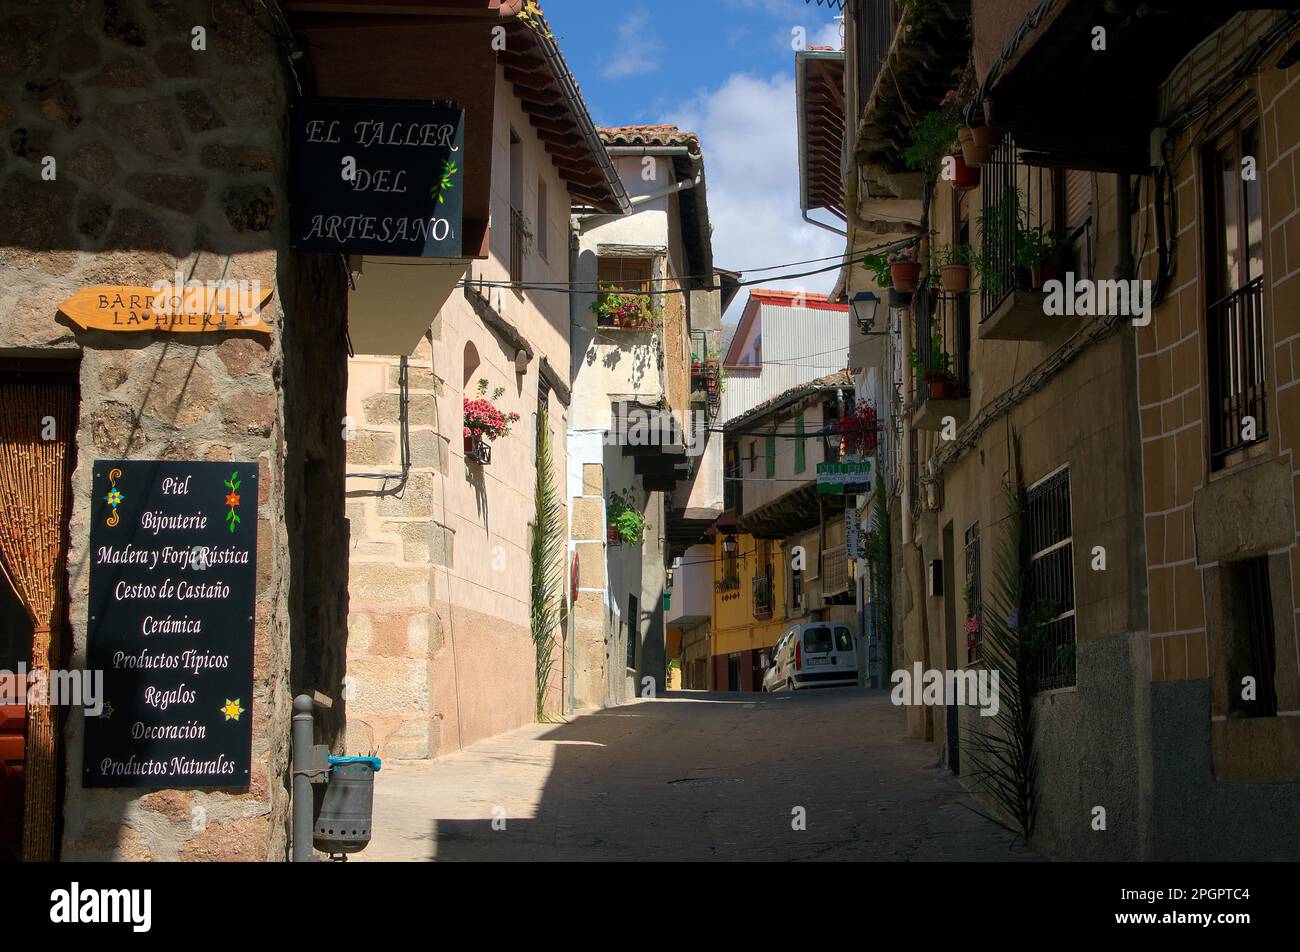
column 114, row 497
column 232, row 500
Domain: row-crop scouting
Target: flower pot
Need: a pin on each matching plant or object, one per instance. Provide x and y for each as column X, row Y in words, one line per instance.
column 964, row 177
column 1024, row 278
column 955, row 278
column 905, row 275
column 1051, row 271
column 938, row 389
column 899, row 299
column 612, row 536
column 977, row 145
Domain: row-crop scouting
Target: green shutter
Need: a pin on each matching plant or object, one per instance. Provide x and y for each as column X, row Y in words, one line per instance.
column 799, row 459
column 771, row 456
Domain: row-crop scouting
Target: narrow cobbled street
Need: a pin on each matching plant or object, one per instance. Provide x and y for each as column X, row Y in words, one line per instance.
column 691, row 775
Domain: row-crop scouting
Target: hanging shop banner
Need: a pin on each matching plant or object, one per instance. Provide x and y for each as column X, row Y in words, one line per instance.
column 836, row 479
column 180, row 308
column 173, row 569
column 377, row 176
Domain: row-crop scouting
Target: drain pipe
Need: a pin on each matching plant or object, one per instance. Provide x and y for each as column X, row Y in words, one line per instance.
column 636, row 203
column 831, row 228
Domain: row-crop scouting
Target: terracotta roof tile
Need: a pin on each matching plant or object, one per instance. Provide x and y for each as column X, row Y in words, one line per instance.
column 654, row 135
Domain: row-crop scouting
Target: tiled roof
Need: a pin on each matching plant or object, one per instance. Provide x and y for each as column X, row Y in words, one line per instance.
column 835, row 381
column 795, row 298
column 665, row 136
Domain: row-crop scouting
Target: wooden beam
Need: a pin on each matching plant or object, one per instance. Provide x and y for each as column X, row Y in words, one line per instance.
column 529, row 80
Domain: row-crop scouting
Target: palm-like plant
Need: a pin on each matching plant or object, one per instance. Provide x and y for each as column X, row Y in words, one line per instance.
column 1004, row 754
column 547, row 565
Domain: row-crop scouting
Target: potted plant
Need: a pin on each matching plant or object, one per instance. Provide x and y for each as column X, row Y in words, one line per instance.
column 953, row 262
column 936, row 372
column 1057, row 261
column 614, row 309
column 933, row 136
column 484, row 423
column 882, row 274
column 1033, row 247
column 978, row 143
column 964, row 177
column 904, row 269
column 626, row 524
column 858, row 430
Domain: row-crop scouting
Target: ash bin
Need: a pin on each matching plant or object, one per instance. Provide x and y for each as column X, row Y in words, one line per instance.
column 343, row 805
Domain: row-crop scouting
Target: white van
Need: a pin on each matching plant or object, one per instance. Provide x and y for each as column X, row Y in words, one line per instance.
column 818, row 654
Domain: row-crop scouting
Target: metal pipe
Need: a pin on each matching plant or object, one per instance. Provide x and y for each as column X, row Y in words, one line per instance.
column 636, row 203
column 831, row 228
column 303, row 736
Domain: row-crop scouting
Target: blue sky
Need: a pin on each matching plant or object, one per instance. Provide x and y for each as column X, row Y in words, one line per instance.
column 725, row 70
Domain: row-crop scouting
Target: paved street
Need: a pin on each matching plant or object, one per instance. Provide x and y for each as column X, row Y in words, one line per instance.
column 691, row 776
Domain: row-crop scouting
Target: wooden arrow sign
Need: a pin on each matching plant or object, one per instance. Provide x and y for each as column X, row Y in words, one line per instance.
column 193, row 309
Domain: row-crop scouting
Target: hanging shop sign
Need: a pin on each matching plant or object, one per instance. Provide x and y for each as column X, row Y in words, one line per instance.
column 173, row 571
column 194, row 308
column 836, row 479
column 852, row 533
column 377, row 176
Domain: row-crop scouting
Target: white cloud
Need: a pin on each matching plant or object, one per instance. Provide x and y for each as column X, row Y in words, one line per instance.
column 748, row 131
column 637, row 50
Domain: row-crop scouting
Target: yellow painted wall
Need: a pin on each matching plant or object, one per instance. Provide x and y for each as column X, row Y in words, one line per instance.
column 734, row 626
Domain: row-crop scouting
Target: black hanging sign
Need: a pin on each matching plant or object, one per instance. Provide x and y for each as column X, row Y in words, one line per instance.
column 173, row 577
column 377, row 176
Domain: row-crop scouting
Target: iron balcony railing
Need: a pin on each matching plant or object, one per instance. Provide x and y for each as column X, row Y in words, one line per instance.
column 762, row 597
column 945, row 317
column 1014, row 199
column 1237, row 367
column 876, row 22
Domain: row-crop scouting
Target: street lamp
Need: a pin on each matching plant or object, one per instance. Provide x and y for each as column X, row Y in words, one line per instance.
column 729, row 545
column 864, row 305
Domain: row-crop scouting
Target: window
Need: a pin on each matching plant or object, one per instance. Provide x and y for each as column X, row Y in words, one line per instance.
column 796, row 590
column 1235, row 346
column 769, row 454
column 843, row 639
column 543, row 220
column 817, row 640
column 1048, row 627
column 518, row 225
column 800, row 452
column 753, row 455
column 1072, row 214
column 971, row 593
column 624, row 274
column 1251, row 645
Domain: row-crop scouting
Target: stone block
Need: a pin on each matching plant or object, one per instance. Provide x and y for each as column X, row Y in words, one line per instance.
column 180, row 193
column 589, row 519
column 387, row 587
column 372, row 447
column 414, row 500
column 593, row 479
column 387, row 686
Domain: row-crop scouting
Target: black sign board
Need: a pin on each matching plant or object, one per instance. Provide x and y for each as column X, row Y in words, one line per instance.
column 377, row 176
column 173, row 577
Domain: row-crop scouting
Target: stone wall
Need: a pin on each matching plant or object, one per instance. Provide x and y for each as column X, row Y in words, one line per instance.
column 169, row 158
